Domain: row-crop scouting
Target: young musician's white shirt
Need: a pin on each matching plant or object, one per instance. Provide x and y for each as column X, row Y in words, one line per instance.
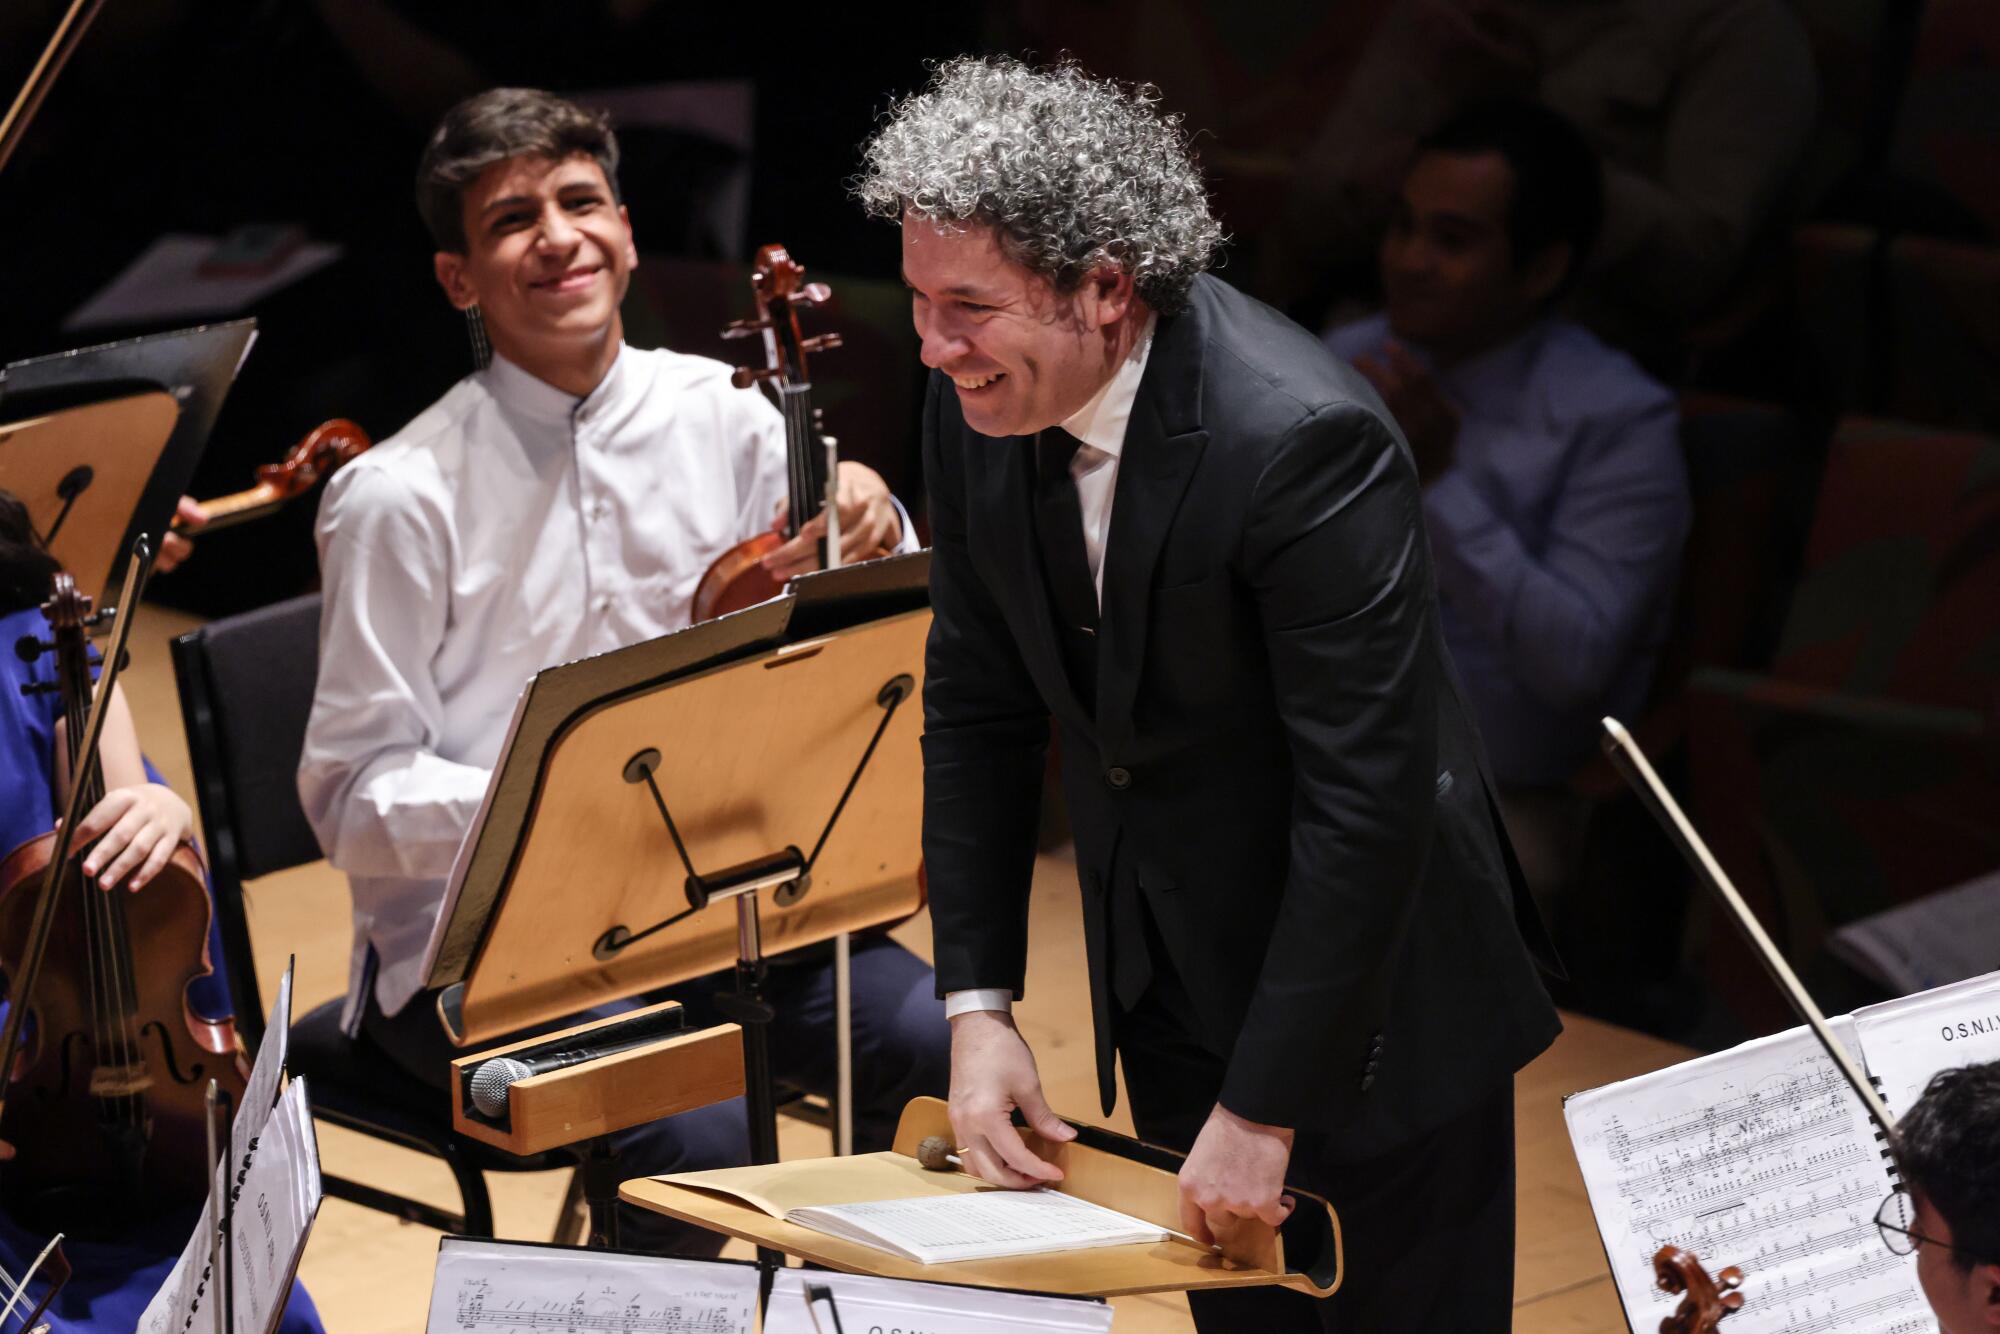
column 508, row 528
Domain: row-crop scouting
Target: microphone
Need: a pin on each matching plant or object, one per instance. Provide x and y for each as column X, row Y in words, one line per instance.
column 492, row 1080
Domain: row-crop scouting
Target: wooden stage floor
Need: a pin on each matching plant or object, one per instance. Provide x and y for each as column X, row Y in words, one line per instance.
column 369, row 1273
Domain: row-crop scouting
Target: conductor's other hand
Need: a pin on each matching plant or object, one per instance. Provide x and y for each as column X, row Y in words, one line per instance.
column 1235, row 1171
column 992, row 1073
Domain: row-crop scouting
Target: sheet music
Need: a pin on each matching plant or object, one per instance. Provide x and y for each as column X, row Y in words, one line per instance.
column 1759, row 1157
column 260, row 1094
column 275, row 1206
column 868, row 1303
column 461, row 861
column 1910, row 1040
column 497, row 1287
column 187, row 1285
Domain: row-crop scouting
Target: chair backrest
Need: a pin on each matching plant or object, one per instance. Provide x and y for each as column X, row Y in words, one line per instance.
column 1902, row 569
column 246, row 687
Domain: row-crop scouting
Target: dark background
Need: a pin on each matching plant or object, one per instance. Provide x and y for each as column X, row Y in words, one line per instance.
column 1862, row 326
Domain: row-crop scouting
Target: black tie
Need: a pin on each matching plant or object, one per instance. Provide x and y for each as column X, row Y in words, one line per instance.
column 1059, row 531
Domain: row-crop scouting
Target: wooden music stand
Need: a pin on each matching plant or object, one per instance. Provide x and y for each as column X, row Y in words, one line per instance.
column 100, row 443
column 1105, row 1168
column 669, row 809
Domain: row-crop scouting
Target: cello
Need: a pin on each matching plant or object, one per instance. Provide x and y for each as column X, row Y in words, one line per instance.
column 105, row 1099
column 737, row 578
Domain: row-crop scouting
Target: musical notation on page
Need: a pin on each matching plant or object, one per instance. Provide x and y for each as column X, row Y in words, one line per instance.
column 492, row 1287
column 1758, row 1157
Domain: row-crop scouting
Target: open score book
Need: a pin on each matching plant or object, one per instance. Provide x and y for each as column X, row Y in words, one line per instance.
column 925, row 1217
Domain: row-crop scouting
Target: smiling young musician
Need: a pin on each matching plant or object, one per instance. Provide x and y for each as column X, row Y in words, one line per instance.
column 561, row 502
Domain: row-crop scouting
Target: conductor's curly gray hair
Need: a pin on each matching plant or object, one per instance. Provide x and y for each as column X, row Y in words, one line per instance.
column 1072, row 172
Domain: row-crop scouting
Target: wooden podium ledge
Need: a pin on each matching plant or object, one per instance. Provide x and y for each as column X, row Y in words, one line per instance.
column 1098, row 1174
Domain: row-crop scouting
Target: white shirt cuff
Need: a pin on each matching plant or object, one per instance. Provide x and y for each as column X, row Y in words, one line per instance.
column 957, row 1003
column 906, row 545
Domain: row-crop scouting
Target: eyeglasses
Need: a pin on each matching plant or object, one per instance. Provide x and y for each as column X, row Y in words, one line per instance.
column 1893, row 1221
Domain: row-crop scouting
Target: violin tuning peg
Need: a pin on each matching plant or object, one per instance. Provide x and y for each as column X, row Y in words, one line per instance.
column 744, row 328
column 825, row 342
column 745, row 376
column 812, row 294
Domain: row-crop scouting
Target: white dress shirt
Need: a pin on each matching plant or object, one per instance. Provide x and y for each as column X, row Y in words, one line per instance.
column 508, row 528
column 1100, row 427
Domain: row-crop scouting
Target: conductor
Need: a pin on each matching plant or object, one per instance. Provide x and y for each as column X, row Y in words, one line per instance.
column 1170, row 519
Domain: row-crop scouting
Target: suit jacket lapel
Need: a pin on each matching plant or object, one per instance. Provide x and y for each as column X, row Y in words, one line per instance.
column 1164, row 441
column 1011, row 501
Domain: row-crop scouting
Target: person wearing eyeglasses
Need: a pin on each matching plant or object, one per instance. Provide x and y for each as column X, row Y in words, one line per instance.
column 1947, row 1213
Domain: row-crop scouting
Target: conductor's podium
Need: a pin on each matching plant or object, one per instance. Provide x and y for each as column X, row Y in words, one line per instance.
column 1105, row 1168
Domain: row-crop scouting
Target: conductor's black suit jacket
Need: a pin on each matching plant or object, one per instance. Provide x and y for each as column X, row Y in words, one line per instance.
column 1277, row 758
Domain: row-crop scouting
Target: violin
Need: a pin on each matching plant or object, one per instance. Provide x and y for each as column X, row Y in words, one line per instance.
column 1704, row 1300
column 105, row 1100
column 324, row 448
column 737, row 578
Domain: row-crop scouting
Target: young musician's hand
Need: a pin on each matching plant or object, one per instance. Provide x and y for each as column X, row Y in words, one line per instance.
column 869, row 523
column 136, row 830
column 1235, row 1171
column 176, row 547
column 992, row 1073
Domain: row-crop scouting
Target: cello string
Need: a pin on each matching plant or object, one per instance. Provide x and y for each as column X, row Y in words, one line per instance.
column 103, row 997
column 108, row 960
column 73, row 730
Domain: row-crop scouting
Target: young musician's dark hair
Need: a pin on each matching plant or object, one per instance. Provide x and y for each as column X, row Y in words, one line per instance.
column 27, row 570
column 1558, row 193
column 491, row 127
column 1948, row 1150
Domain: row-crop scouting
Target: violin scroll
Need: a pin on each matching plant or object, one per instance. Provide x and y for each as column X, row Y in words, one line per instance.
column 1704, row 1300
column 326, row 447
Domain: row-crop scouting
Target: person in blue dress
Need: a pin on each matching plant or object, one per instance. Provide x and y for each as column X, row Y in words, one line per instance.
column 137, row 825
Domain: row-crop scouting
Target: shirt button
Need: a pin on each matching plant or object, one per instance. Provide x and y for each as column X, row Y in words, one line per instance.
column 1118, row 777
column 1367, row 1082
column 606, row 602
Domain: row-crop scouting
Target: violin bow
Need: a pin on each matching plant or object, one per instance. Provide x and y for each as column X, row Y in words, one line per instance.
column 43, row 922
column 59, row 1271
column 1624, row 752
column 43, row 76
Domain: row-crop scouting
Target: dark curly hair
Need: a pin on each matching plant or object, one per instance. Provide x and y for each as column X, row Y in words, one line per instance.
column 1948, row 1149
column 1071, row 171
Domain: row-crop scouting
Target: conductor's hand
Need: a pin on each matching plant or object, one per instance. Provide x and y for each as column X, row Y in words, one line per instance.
column 136, row 829
column 1235, row 1171
column 869, row 524
column 992, row 1073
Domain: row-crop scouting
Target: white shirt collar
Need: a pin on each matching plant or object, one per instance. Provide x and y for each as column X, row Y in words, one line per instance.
column 538, row 400
column 1101, row 422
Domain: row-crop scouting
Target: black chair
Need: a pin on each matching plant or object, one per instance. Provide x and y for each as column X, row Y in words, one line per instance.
column 246, row 687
